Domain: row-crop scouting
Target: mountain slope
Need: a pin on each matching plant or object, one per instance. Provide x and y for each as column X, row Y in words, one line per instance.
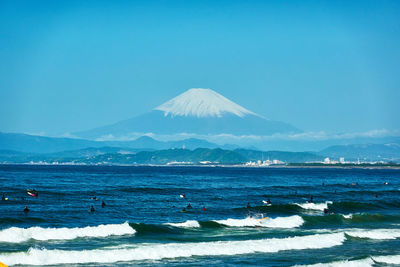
column 197, row 111
column 200, row 102
column 41, row 144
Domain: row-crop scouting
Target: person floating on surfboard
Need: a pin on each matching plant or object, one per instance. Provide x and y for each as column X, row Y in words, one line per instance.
column 32, row 193
column 26, row 210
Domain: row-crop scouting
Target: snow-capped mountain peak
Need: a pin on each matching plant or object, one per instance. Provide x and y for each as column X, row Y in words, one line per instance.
column 199, row 102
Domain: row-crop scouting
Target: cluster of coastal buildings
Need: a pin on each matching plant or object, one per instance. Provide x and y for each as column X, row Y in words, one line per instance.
column 264, row 163
column 341, row 161
column 326, row 161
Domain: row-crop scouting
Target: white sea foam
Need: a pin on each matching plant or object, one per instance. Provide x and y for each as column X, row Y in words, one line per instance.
column 346, row 263
column 314, row 206
column 187, row 224
column 391, row 259
column 348, row 216
column 279, row 222
column 375, row 233
column 36, row 256
column 17, row 235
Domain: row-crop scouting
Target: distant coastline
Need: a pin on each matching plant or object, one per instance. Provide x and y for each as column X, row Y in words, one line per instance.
column 283, row 166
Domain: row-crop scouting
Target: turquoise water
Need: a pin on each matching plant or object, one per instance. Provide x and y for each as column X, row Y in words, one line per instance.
column 143, row 223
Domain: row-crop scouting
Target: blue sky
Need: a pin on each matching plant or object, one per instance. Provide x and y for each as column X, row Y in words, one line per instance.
column 329, row 66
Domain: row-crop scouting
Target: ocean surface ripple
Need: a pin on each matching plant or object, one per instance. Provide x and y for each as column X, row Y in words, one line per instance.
column 199, row 216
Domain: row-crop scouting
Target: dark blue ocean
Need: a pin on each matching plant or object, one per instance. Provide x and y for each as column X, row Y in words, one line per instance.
column 354, row 217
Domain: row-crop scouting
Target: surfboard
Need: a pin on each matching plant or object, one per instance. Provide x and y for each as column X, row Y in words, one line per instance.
column 267, row 204
column 31, row 193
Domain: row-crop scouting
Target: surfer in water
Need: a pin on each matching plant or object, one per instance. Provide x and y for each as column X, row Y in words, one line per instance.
column 91, row 209
column 248, row 205
column 326, row 212
column 189, row 206
column 183, row 210
column 103, row 204
column 3, row 197
column 268, row 201
column 311, row 198
column 26, row 209
column 204, row 208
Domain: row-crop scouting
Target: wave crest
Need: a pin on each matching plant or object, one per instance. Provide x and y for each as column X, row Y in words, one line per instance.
column 18, row 235
column 314, row 206
column 187, row 224
column 375, row 234
column 36, row 256
column 279, row 222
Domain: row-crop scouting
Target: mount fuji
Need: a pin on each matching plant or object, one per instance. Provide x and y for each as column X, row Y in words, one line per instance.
column 196, row 111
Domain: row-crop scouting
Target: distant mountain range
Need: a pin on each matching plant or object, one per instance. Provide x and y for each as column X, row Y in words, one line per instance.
column 196, row 111
column 42, row 144
column 112, row 155
column 21, row 148
column 365, row 152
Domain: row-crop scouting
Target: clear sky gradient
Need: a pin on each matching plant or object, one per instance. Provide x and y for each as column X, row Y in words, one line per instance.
column 328, row 66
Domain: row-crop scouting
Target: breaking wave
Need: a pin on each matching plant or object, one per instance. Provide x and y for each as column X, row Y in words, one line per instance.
column 375, row 233
column 36, row 256
column 390, row 259
column 187, row 224
column 279, row 222
column 370, row 261
column 314, row 206
column 18, row 235
column 345, row 263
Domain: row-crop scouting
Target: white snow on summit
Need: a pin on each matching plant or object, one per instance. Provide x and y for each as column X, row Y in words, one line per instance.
column 201, row 102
